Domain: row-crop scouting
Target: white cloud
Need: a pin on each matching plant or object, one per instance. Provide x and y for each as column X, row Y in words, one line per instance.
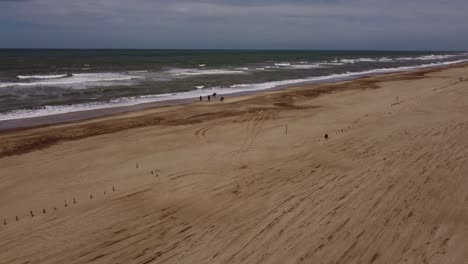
column 304, row 23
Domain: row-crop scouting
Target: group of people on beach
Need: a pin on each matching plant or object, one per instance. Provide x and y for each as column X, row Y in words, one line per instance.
column 214, row 96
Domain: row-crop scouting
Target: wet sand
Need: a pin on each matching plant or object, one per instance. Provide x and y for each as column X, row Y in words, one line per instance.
column 250, row 180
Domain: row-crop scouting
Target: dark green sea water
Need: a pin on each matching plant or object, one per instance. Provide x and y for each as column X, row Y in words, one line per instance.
column 42, row 82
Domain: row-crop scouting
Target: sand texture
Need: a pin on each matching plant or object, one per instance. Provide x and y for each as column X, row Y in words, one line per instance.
column 250, row 180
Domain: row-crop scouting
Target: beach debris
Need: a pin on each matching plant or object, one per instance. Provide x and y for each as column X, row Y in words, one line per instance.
column 113, row 188
column 137, row 165
column 17, row 218
column 43, row 211
column 214, row 95
column 90, row 196
column 66, row 204
column 221, row 99
column 4, row 221
column 74, row 201
column 55, row 208
column 104, row 192
column 286, row 130
column 237, row 190
column 32, row 214
column 326, row 136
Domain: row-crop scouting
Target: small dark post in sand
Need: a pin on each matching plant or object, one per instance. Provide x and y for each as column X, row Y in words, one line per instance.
column 222, row 99
column 91, row 196
column 66, row 204
column 201, row 98
column 4, row 221
column 17, row 218
column 137, row 165
column 209, row 98
column 74, row 201
column 113, row 188
column 43, row 211
column 326, row 136
column 32, row 214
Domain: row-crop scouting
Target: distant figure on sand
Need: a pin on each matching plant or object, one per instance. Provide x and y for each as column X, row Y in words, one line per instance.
column 214, row 94
column 221, row 99
column 201, row 98
column 326, row 136
column 209, row 98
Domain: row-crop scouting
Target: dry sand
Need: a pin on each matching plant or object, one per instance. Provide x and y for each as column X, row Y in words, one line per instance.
column 226, row 183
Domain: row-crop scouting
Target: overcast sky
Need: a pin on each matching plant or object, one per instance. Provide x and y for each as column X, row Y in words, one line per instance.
column 236, row 24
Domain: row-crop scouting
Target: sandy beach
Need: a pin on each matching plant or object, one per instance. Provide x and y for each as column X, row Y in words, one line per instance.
column 251, row 179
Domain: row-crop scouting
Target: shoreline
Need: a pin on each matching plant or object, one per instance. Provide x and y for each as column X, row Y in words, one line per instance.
column 85, row 115
column 23, row 140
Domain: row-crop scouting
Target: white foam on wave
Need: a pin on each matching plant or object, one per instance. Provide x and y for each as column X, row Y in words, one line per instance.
column 426, row 57
column 79, row 80
column 332, row 63
column 197, row 72
column 366, row 60
column 348, row 61
column 283, row 64
column 129, row 101
column 305, row 66
column 302, row 65
column 41, row 76
column 385, row 59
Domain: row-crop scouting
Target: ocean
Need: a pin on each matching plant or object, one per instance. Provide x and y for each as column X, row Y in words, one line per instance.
column 37, row 83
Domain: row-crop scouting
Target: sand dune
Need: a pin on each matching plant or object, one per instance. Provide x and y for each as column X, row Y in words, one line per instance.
column 250, row 180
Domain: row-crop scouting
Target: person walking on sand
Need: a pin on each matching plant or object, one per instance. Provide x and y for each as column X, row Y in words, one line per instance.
column 201, row 98
column 209, row 98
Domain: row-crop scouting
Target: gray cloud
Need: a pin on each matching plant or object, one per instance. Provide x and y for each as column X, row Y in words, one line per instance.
column 319, row 24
